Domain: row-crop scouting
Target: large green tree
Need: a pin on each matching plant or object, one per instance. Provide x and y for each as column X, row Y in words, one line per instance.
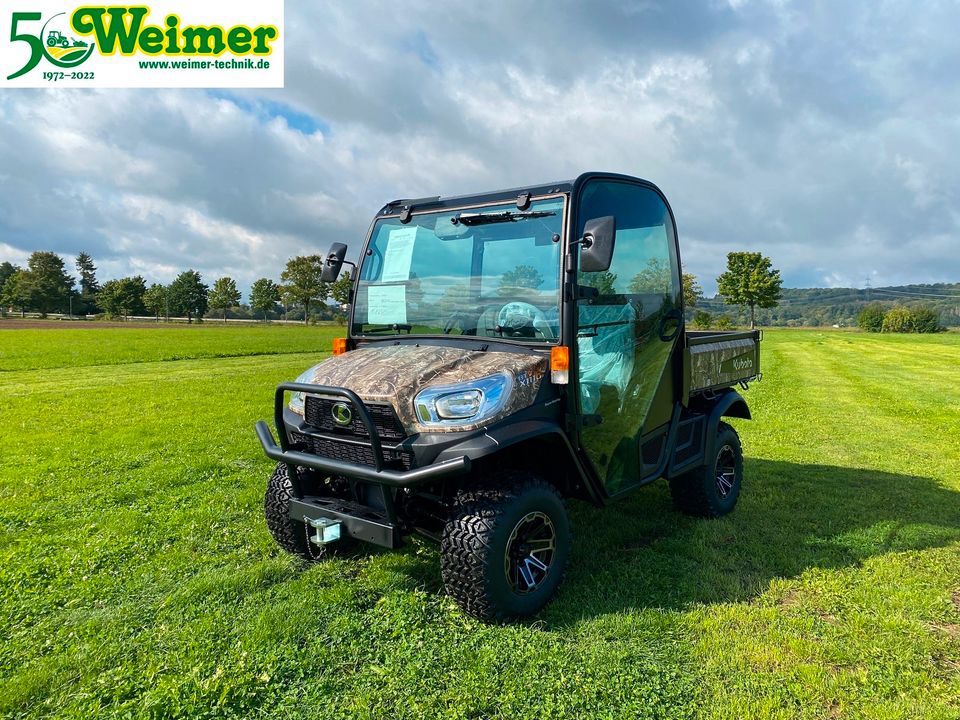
column 925, row 319
column 870, row 318
column 110, row 299
column 264, row 296
column 7, row 270
column 155, row 300
column 188, row 295
column 654, row 278
column 302, row 284
column 692, row 292
column 898, row 320
column 123, row 297
column 340, row 290
column 224, row 295
column 751, row 281
column 702, row 320
column 522, row 277
column 603, row 282
column 50, row 284
column 89, row 287
column 17, row 291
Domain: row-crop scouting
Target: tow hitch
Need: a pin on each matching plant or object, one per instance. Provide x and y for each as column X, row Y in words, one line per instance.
column 328, row 530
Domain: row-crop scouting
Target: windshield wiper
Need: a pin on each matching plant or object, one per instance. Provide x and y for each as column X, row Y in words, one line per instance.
column 500, row 217
column 395, row 328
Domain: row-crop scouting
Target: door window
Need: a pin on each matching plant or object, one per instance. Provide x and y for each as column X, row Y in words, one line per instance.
column 623, row 348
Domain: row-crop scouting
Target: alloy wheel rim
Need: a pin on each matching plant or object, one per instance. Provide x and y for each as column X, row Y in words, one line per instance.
column 530, row 551
column 726, row 471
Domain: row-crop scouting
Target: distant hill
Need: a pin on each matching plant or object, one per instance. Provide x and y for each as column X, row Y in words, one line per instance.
column 839, row 306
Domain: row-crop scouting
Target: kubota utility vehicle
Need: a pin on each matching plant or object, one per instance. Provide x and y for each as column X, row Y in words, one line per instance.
column 505, row 352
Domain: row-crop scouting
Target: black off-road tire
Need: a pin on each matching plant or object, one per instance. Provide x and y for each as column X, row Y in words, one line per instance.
column 488, row 524
column 292, row 535
column 712, row 489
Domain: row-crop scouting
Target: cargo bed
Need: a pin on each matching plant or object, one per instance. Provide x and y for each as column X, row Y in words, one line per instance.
column 715, row 359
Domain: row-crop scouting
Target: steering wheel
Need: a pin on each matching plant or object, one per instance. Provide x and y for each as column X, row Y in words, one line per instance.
column 517, row 315
column 461, row 319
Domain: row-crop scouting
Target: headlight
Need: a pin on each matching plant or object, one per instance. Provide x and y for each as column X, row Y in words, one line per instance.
column 458, row 404
column 296, row 399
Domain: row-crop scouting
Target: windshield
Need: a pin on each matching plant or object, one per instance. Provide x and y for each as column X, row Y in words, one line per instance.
column 491, row 271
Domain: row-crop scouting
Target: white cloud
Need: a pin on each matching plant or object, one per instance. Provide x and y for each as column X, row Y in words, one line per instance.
column 769, row 125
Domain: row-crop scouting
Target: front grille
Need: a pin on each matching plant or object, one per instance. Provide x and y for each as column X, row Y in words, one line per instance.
column 352, row 452
column 318, row 414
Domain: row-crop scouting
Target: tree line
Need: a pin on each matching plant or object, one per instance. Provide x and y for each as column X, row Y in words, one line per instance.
column 899, row 319
column 45, row 286
column 824, row 307
column 749, row 291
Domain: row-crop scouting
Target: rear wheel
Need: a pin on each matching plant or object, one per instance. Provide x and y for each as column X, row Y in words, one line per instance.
column 712, row 489
column 504, row 551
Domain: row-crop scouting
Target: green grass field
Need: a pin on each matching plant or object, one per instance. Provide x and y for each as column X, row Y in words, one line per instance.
column 35, row 348
column 137, row 578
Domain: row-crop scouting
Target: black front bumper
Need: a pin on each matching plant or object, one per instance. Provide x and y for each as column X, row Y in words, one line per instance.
column 375, row 525
column 375, row 473
column 383, row 476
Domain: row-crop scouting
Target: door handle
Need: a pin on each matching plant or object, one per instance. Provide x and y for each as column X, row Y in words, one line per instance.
column 676, row 316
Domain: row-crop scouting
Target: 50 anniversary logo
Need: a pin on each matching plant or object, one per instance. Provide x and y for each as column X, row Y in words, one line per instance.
column 136, row 46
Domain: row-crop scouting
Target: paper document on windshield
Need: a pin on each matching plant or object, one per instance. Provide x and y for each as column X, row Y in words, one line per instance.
column 387, row 304
column 399, row 254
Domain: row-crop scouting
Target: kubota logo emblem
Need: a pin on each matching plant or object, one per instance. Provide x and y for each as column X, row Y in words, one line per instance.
column 342, row 414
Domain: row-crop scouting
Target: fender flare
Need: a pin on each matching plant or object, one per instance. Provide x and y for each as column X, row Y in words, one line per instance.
column 497, row 439
column 730, row 404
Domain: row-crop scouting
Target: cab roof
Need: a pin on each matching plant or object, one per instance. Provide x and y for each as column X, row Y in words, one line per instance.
column 439, row 202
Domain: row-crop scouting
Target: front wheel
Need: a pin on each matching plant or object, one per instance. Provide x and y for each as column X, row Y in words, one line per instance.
column 504, row 550
column 712, row 489
column 292, row 535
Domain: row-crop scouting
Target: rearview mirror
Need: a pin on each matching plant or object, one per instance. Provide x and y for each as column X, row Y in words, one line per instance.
column 333, row 263
column 596, row 245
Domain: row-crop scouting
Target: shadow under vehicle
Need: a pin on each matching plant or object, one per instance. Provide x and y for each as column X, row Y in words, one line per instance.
column 506, row 352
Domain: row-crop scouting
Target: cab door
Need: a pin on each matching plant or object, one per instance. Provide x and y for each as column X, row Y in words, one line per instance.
column 626, row 334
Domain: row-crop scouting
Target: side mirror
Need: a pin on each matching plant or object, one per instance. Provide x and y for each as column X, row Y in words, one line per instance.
column 596, row 245
column 333, row 263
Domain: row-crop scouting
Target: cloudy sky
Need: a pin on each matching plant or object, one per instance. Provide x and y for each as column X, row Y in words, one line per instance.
column 825, row 134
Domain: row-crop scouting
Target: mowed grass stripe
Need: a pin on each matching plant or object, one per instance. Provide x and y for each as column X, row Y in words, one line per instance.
column 31, row 383
column 857, row 627
column 848, row 402
column 891, row 399
column 65, row 347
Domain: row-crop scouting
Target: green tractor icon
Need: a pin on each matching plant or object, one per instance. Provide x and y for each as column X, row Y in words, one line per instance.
column 58, row 38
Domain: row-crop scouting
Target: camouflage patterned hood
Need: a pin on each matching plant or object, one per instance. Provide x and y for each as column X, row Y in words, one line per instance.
column 396, row 373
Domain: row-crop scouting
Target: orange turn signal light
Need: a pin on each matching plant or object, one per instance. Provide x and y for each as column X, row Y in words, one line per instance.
column 339, row 346
column 560, row 365
column 560, row 358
